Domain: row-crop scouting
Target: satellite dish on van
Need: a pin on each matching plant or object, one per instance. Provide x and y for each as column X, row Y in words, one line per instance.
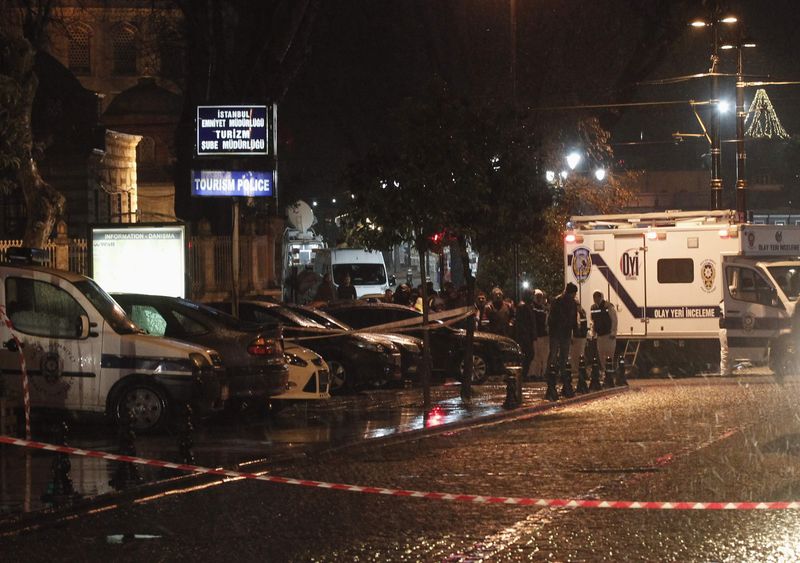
column 300, row 215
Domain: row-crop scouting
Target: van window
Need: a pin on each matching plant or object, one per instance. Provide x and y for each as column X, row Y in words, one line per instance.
column 788, row 277
column 746, row 284
column 42, row 309
column 110, row 310
column 675, row 270
column 360, row 274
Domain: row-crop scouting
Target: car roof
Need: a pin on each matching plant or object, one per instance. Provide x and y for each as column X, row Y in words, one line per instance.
column 69, row 276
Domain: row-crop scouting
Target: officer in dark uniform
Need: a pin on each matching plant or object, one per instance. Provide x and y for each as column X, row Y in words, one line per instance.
column 604, row 327
column 563, row 319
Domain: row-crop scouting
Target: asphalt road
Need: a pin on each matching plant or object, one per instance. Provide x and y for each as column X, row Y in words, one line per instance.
column 715, row 439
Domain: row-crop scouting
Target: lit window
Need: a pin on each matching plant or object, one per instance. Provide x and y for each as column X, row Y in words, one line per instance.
column 79, row 55
column 123, row 41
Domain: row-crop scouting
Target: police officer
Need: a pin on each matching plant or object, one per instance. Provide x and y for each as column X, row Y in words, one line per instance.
column 541, row 345
column 604, row 327
column 525, row 330
column 579, row 335
column 562, row 321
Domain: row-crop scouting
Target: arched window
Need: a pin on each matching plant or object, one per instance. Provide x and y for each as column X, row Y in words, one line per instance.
column 79, row 56
column 146, row 151
column 123, row 43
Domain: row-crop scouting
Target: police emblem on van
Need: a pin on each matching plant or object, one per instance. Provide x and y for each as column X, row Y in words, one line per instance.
column 708, row 274
column 581, row 263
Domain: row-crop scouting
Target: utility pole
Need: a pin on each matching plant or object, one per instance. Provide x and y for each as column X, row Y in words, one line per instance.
column 716, row 151
column 741, row 156
column 512, row 9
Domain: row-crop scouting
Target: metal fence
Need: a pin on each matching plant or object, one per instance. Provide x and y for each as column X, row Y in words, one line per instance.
column 208, row 262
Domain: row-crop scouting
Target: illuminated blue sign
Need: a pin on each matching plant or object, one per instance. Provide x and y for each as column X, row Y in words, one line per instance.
column 232, row 130
column 232, row 183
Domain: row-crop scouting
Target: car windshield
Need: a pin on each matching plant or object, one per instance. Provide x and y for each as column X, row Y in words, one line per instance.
column 788, row 278
column 228, row 321
column 360, row 274
column 113, row 314
column 322, row 318
column 296, row 319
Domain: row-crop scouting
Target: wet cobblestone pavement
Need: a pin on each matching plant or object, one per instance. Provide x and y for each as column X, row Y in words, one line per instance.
column 733, row 439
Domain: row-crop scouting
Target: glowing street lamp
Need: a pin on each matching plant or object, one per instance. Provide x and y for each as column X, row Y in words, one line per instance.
column 573, row 159
column 600, row 174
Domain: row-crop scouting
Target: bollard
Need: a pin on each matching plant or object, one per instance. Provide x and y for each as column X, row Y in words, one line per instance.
column 582, row 382
column 594, row 382
column 566, row 382
column 185, row 441
column 621, row 379
column 552, row 393
column 608, row 380
column 511, row 392
column 125, row 474
column 60, row 490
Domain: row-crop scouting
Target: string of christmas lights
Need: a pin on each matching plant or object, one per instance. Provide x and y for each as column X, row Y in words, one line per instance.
column 764, row 122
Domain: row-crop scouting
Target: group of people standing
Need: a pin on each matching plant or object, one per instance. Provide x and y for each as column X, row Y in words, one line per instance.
column 554, row 332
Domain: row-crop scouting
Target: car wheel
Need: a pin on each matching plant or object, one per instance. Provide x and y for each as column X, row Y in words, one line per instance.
column 480, row 369
column 340, row 377
column 148, row 405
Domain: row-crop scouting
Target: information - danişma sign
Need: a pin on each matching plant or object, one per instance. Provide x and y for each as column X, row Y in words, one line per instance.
column 232, row 183
column 232, row 130
column 140, row 259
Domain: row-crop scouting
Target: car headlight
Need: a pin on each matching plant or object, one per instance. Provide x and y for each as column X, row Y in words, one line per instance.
column 512, row 347
column 295, row 360
column 199, row 360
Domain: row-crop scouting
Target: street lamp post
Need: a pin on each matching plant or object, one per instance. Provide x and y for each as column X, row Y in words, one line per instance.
column 741, row 114
column 741, row 156
column 716, row 152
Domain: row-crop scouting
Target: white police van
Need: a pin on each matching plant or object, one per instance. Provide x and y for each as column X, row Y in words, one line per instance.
column 366, row 269
column 82, row 353
column 670, row 275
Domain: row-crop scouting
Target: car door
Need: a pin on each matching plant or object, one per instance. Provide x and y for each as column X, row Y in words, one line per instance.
column 63, row 369
column 750, row 315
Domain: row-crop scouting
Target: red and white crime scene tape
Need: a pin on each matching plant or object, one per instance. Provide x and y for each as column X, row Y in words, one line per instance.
column 476, row 499
column 26, row 392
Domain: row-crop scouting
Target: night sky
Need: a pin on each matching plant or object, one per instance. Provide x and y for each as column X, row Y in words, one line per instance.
column 367, row 56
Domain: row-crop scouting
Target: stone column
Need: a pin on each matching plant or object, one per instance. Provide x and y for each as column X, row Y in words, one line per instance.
column 113, row 173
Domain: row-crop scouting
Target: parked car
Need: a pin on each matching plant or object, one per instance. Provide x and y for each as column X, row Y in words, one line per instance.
column 410, row 346
column 83, row 353
column 309, row 377
column 253, row 356
column 491, row 354
column 354, row 360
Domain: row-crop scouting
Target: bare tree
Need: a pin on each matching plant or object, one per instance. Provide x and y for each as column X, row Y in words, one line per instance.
column 18, row 169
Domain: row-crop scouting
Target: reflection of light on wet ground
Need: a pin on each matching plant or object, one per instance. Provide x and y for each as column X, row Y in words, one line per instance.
column 434, row 417
column 231, row 441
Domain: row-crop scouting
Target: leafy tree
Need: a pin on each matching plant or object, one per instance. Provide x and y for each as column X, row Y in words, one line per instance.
column 448, row 167
column 540, row 250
